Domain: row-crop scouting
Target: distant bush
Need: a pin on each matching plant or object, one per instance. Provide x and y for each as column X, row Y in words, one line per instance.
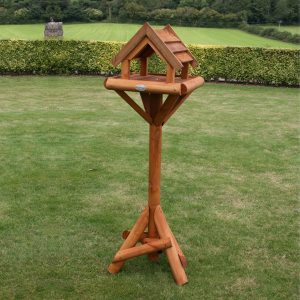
column 272, row 33
column 205, row 17
column 231, row 64
column 22, row 14
column 94, row 14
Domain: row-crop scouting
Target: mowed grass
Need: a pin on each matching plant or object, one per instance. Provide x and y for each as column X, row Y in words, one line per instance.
column 74, row 160
column 123, row 32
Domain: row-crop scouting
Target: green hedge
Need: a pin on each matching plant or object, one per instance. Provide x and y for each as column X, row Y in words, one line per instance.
column 232, row 64
column 272, row 33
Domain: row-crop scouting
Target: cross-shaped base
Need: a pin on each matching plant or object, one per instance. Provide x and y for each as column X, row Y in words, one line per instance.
column 165, row 240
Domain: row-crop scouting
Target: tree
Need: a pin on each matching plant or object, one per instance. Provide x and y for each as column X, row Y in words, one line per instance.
column 133, row 11
column 193, row 3
column 94, row 14
column 53, row 12
column 21, row 14
column 260, row 11
column 187, row 15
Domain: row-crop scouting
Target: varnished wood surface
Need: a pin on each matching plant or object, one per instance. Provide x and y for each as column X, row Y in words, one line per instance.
column 152, row 229
column 154, row 84
column 132, row 239
column 135, row 106
column 172, row 254
column 165, row 42
column 147, row 248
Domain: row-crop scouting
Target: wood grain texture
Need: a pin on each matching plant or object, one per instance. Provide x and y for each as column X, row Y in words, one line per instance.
column 135, row 106
column 179, row 251
column 150, row 247
column 155, row 144
column 184, row 57
column 146, row 101
column 168, row 46
column 185, row 71
column 165, row 42
column 157, row 87
column 126, row 233
column 190, row 84
column 194, row 62
column 138, row 50
column 170, row 58
column 144, row 66
column 180, row 100
column 165, row 36
column 176, row 47
column 170, row 78
column 172, row 254
column 132, row 238
column 125, row 69
column 165, row 109
column 124, row 52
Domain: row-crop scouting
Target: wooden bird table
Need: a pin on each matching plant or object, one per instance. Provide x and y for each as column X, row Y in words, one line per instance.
column 151, row 229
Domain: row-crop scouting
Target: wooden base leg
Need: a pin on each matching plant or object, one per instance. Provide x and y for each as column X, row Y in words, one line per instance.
column 151, row 246
column 126, row 233
column 172, row 254
column 152, row 233
column 132, row 239
column 179, row 251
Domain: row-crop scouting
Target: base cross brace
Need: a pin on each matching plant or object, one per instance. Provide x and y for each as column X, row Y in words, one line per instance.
column 166, row 241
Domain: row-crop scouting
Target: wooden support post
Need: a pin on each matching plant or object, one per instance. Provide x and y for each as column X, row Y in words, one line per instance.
column 172, row 254
column 125, row 69
column 155, row 142
column 144, row 66
column 178, row 103
column 126, row 233
column 165, row 109
column 152, row 246
column 170, row 74
column 179, row 251
column 132, row 239
column 185, row 71
column 146, row 97
column 135, row 106
column 148, row 240
column 154, row 175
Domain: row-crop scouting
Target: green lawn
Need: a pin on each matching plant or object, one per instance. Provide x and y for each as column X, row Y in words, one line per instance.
column 291, row 29
column 123, row 32
column 74, row 175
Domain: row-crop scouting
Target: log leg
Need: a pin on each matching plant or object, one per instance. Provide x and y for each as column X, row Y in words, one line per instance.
column 172, row 254
column 126, row 233
column 132, row 239
column 179, row 251
column 149, row 247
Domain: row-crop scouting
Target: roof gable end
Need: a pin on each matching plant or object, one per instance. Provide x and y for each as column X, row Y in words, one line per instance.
column 165, row 41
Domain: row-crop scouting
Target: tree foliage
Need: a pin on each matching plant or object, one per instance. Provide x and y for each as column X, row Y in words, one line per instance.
column 187, row 12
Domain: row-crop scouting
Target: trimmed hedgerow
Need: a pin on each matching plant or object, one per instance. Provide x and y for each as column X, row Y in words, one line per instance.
column 271, row 32
column 232, row 64
column 56, row 57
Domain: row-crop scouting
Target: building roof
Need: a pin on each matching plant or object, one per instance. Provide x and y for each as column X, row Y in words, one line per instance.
column 164, row 42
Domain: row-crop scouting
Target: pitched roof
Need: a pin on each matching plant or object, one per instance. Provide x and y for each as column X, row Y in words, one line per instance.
column 164, row 42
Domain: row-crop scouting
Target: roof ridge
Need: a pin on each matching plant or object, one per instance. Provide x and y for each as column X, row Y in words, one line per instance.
column 160, row 41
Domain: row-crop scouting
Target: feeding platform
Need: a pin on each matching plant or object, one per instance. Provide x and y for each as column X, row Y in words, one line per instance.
column 151, row 229
column 155, row 84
